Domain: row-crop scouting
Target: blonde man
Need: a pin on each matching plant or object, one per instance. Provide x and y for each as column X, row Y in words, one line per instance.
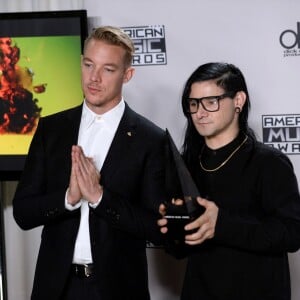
column 91, row 178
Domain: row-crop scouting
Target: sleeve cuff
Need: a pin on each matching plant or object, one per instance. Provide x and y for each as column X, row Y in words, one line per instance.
column 70, row 206
column 95, row 205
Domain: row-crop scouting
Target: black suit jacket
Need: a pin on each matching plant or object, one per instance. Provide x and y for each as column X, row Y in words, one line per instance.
column 133, row 180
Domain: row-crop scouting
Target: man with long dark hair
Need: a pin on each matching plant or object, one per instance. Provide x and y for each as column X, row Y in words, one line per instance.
column 249, row 191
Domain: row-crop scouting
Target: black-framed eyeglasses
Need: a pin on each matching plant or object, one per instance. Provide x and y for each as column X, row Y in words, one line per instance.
column 210, row 103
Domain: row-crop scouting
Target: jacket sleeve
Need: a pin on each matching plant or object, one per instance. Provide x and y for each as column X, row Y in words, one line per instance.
column 278, row 229
column 39, row 198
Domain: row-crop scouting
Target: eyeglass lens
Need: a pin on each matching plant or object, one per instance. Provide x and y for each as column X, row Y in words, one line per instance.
column 209, row 104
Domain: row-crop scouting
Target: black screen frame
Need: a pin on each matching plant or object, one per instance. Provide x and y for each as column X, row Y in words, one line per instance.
column 24, row 24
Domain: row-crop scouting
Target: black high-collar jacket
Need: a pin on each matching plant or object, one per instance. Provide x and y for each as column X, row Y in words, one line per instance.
column 258, row 224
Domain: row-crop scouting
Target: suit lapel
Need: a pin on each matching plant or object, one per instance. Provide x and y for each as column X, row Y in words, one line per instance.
column 69, row 129
column 121, row 144
column 72, row 125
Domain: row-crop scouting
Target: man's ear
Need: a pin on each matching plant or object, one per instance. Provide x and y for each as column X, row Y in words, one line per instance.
column 240, row 99
column 129, row 72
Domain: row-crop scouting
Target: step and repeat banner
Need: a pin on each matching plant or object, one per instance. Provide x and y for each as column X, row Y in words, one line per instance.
column 172, row 38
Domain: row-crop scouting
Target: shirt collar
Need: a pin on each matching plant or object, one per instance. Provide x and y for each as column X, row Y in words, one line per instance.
column 111, row 117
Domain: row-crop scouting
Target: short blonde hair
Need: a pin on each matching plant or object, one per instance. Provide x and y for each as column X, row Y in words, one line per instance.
column 113, row 36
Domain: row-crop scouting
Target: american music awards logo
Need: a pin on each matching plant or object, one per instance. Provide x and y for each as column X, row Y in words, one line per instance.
column 282, row 132
column 290, row 40
column 150, row 44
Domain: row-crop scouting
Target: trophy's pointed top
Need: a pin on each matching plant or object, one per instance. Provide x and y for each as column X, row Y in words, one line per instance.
column 188, row 187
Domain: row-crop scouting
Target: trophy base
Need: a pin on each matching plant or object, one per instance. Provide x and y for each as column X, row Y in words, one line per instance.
column 176, row 224
column 178, row 217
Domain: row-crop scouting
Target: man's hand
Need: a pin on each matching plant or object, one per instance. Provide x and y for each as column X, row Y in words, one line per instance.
column 87, row 175
column 162, row 223
column 205, row 224
column 74, row 193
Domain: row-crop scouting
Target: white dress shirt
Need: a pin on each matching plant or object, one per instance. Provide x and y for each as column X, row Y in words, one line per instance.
column 96, row 133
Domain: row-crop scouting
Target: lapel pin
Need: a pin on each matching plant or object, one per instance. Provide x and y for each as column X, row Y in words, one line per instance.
column 129, row 133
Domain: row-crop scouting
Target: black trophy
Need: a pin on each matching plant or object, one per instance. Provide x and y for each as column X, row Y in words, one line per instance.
column 180, row 185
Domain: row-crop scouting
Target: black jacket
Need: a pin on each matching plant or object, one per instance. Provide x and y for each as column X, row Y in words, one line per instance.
column 133, row 181
column 258, row 224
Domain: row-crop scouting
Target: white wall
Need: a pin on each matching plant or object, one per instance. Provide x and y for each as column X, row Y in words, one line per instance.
column 240, row 32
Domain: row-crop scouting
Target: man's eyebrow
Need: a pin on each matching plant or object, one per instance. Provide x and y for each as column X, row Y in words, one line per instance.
column 111, row 65
column 107, row 64
column 86, row 58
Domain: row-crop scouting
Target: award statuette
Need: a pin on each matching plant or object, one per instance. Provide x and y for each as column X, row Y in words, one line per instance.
column 180, row 185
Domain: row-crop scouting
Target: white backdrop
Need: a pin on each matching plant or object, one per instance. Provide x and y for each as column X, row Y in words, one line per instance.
column 244, row 33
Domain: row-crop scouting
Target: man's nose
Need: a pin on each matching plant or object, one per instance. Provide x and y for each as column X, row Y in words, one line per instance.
column 96, row 75
column 201, row 111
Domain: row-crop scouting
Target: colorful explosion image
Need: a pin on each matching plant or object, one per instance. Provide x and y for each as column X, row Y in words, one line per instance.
column 19, row 111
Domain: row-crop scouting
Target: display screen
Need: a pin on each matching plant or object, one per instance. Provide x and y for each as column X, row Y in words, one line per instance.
column 39, row 75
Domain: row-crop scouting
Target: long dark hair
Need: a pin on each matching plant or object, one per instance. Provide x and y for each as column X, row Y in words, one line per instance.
column 231, row 79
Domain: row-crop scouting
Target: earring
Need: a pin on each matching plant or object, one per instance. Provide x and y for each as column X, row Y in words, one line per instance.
column 238, row 110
